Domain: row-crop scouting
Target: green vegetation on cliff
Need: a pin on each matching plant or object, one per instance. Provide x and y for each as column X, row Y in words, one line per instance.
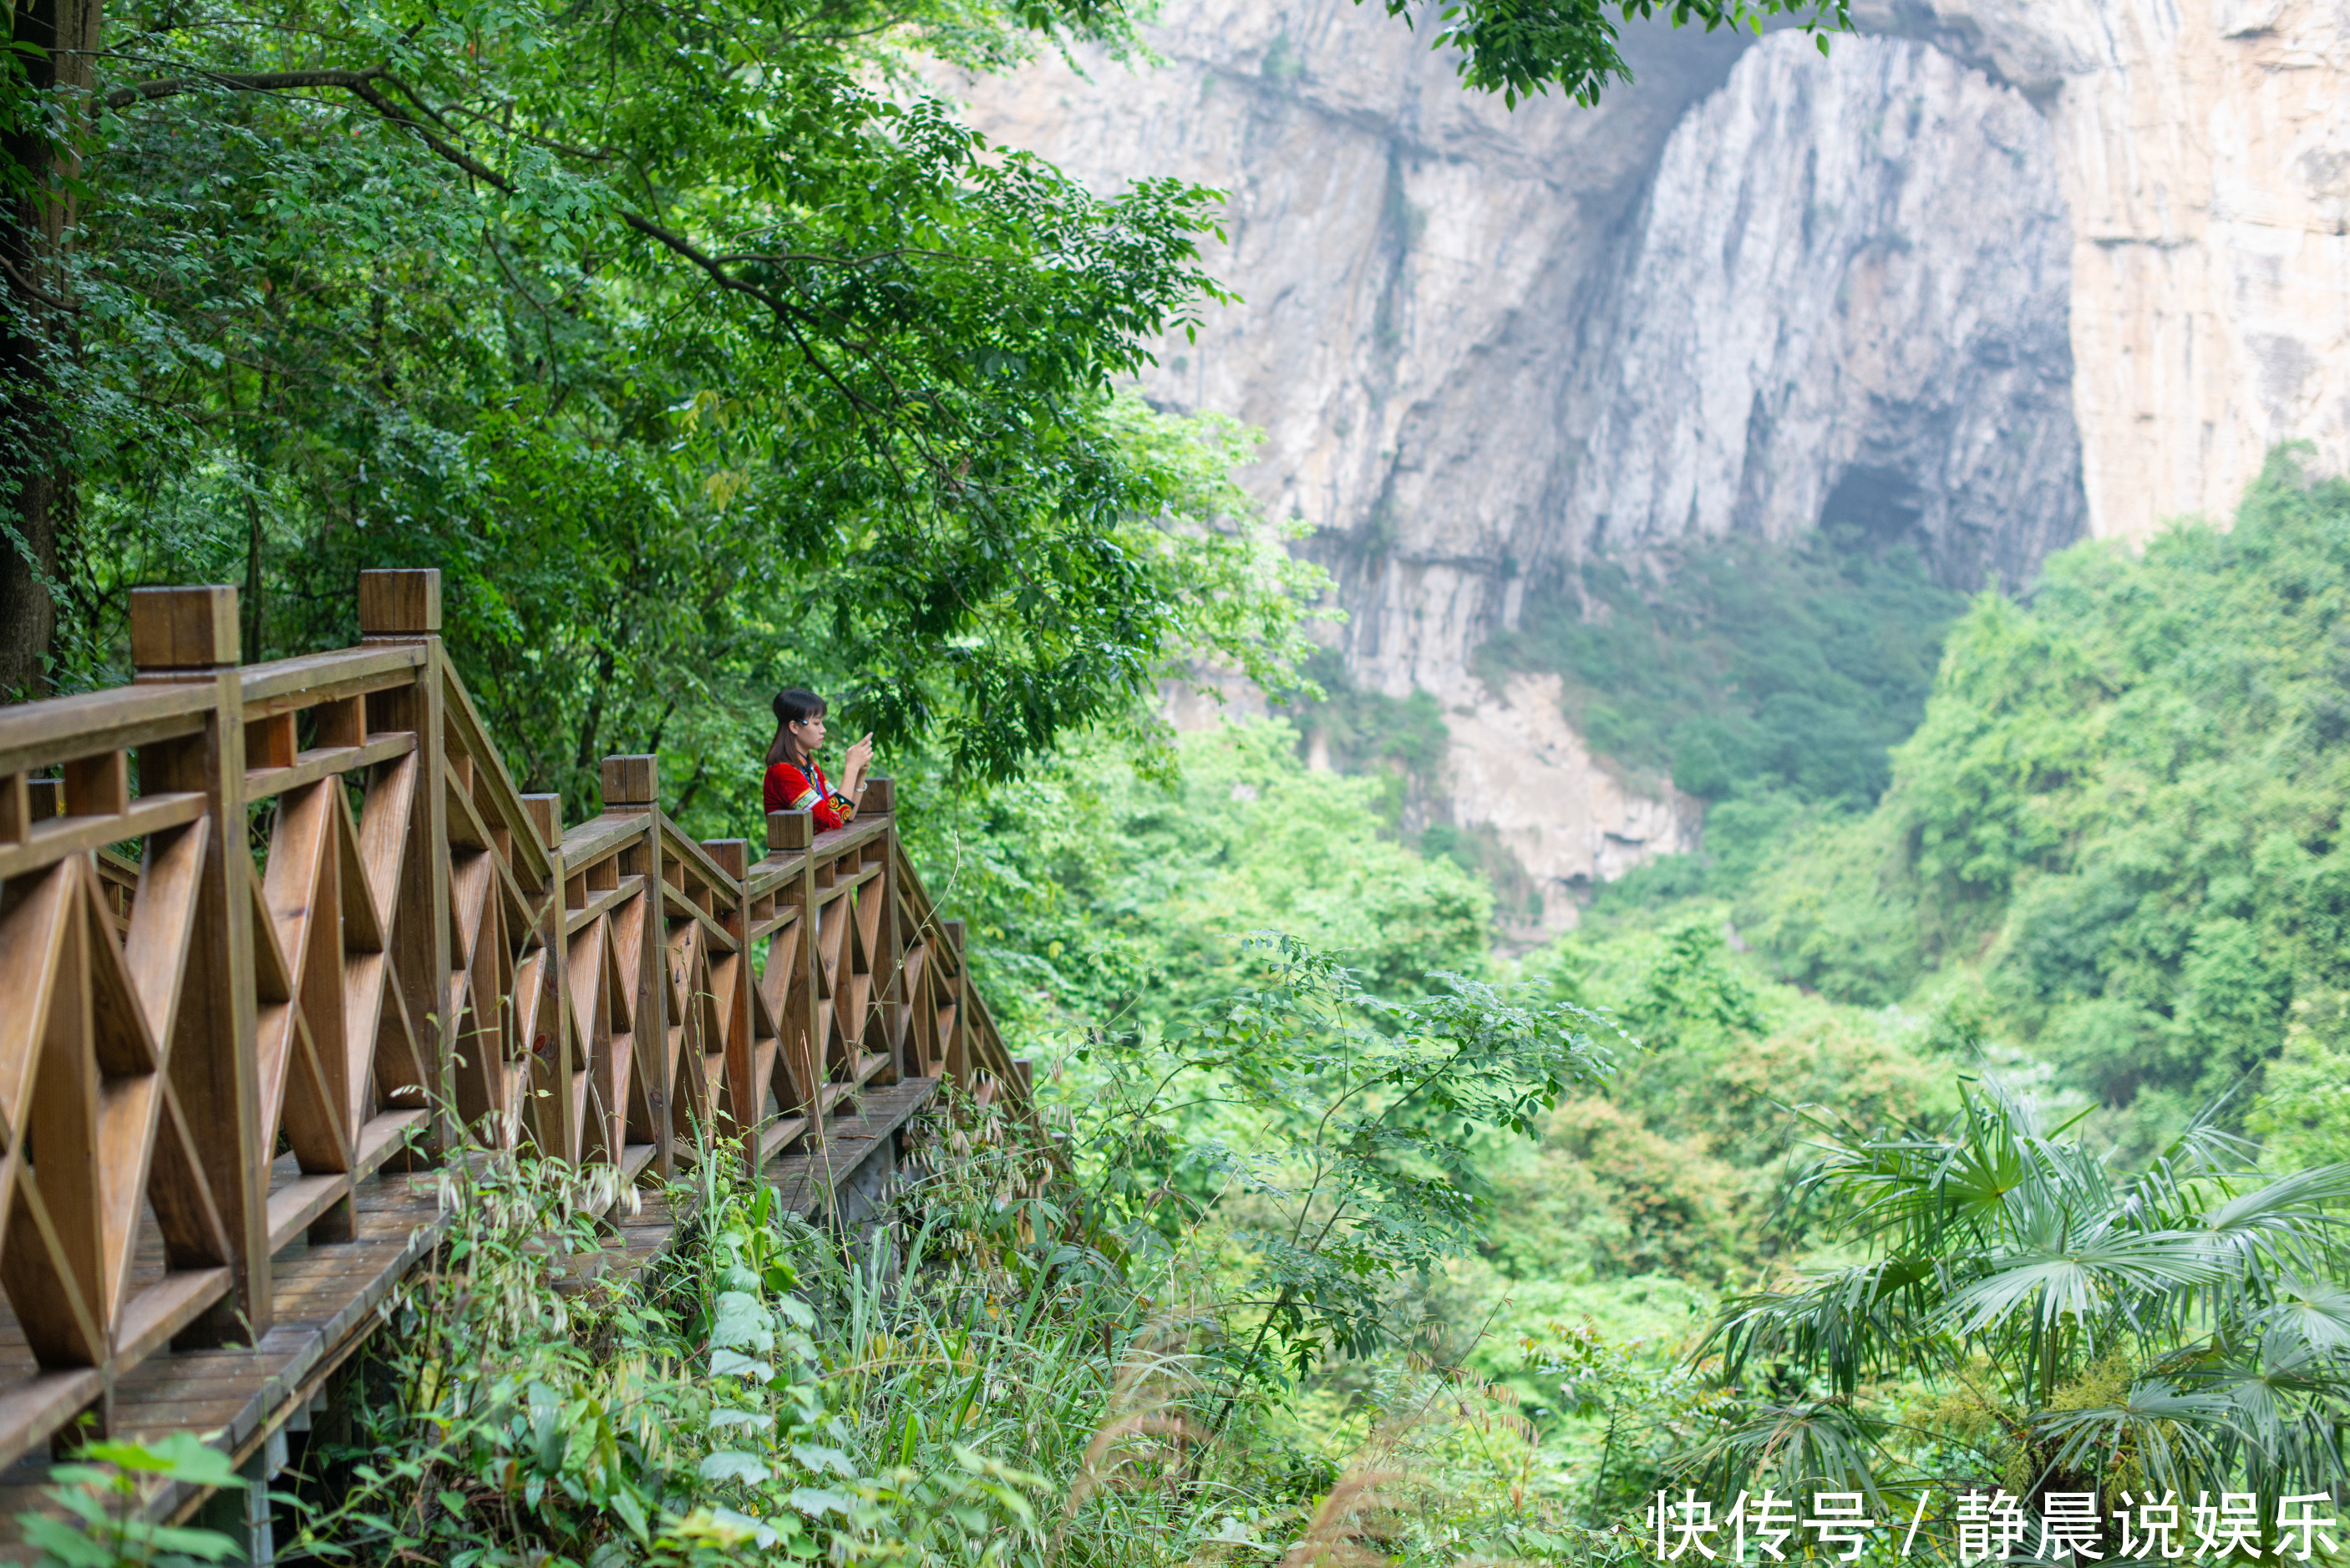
column 2115, row 838
column 1740, row 668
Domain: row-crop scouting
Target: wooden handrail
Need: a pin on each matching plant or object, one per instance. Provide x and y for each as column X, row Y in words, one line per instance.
column 445, row 965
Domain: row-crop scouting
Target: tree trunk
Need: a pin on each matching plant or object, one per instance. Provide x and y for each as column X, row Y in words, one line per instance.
column 37, row 138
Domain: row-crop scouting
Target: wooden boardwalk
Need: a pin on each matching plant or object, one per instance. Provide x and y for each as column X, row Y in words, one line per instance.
column 224, row 1076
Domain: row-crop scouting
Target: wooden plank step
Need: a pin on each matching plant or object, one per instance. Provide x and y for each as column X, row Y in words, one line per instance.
column 803, row 1181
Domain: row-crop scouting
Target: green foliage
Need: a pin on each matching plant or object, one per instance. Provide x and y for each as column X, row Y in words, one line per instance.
column 1102, row 896
column 1013, row 1366
column 2121, row 811
column 1668, row 1171
column 2303, row 1116
column 1363, row 731
column 101, row 1497
column 1742, row 835
column 699, row 355
column 2180, row 1328
column 1837, row 909
column 1353, row 1129
column 2131, row 791
column 769, row 1389
column 1520, row 48
column 1740, row 667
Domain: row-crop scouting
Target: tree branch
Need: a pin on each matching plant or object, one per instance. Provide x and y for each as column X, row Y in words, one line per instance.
column 253, row 81
column 359, row 83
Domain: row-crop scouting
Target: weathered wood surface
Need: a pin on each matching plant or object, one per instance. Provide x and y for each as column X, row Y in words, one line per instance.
column 219, row 1070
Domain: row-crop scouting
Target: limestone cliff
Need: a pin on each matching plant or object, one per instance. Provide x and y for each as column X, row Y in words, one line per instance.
column 1758, row 288
column 2203, row 148
column 1415, row 260
column 1478, row 340
column 1844, row 301
column 1990, row 276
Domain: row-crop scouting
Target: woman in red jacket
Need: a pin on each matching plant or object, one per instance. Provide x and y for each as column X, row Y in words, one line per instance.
column 795, row 781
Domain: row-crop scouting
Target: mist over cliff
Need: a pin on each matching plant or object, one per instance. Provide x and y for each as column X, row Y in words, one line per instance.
column 1759, row 292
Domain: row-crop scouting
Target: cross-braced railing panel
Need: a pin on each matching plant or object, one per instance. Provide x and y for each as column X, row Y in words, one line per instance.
column 303, row 907
column 115, row 962
column 339, row 750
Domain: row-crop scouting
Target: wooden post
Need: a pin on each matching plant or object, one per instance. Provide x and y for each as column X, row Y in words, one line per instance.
column 741, row 1119
column 794, row 833
column 632, row 785
column 890, row 957
column 788, row 831
column 545, row 814
column 192, row 635
column 405, row 607
column 400, row 604
column 958, row 1063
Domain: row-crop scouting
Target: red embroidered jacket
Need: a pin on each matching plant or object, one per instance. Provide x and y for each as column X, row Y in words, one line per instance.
column 788, row 789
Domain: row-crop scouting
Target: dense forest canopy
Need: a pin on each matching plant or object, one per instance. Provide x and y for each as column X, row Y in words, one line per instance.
column 2115, row 835
column 691, row 352
column 1986, row 1130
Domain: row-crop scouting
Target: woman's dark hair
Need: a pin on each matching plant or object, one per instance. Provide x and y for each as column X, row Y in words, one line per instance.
column 793, row 705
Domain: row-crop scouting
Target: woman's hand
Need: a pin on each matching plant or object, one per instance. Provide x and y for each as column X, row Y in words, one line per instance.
column 852, row 770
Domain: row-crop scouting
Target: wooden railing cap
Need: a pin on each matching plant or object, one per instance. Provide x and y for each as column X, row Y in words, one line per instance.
column 733, row 854
column 183, row 629
column 546, row 816
column 404, row 603
column 631, row 782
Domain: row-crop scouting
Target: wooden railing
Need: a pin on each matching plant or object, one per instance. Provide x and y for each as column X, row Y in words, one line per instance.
column 266, row 931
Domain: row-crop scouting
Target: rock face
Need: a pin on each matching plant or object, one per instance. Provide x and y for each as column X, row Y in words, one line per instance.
column 1758, row 290
column 1518, row 768
column 2203, row 148
column 1845, row 302
column 1417, row 262
column 1742, row 294
column 1994, row 275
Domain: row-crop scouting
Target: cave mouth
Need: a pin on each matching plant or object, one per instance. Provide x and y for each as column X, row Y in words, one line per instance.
column 1875, row 507
column 1875, row 511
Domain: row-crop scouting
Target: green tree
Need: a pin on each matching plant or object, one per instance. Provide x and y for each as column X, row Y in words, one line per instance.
column 693, row 344
column 699, row 354
column 1111, row 890
column 1520, row 48
column 2121, row 815
column 2180, row 1328
column 1343, row 1134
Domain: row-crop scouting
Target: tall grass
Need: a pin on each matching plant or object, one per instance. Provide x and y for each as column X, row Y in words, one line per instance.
column 968, row 1380
column 971, row 1378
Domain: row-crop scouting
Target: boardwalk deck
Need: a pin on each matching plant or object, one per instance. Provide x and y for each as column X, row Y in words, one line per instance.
column 224, row 1076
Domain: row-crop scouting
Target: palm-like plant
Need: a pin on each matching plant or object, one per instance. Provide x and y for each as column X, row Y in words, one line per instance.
column 2184, row 1327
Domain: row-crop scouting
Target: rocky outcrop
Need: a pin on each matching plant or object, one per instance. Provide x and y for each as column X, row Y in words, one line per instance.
column 1519, row 770
column 1845, row 302
column 1758, row 290
column 2204, row 151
